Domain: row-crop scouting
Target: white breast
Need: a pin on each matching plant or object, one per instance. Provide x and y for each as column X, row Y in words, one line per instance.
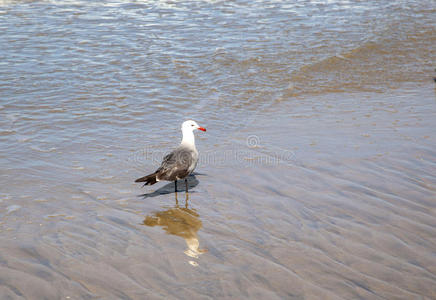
column 194, row 161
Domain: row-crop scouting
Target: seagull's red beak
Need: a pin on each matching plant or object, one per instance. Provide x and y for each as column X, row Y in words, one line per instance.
column 202, row 128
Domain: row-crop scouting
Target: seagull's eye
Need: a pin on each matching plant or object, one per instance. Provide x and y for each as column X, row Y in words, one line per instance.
column 192, row 124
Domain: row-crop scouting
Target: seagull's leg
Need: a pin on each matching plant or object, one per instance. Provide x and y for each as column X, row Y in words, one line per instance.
column 186, row 193
column 175, row 186
column 177, row 201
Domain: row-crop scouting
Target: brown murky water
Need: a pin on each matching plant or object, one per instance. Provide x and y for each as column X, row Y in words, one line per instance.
column 317, row 177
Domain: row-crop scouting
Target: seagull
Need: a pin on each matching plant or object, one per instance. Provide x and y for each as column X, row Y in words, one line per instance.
column 180, row 162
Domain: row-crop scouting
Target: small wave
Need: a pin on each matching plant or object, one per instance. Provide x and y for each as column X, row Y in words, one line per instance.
column 12, row 208
column 36, row 148
column 371, row 67
column 7, row 132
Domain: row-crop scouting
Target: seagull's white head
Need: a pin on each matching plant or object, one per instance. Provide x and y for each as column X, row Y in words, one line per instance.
column 191, row 126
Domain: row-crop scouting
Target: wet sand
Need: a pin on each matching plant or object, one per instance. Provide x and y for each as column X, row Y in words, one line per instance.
column 331, row 198
column 317, row 173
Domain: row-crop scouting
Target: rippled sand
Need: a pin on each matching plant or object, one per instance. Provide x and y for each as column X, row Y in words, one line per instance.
column 331, row 201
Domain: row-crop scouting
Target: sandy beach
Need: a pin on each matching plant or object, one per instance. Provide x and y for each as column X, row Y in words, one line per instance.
column 316, row 177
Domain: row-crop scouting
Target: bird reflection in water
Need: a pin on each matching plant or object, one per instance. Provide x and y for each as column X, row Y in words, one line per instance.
column 181, row 221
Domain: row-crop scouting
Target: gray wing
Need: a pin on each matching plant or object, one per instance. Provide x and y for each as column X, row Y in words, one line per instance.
column 176, row 165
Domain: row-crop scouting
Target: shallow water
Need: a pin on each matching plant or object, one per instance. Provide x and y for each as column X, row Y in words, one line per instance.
column 317, row 173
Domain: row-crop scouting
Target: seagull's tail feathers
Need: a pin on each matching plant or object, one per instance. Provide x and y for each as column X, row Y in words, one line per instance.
column 149, row 179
